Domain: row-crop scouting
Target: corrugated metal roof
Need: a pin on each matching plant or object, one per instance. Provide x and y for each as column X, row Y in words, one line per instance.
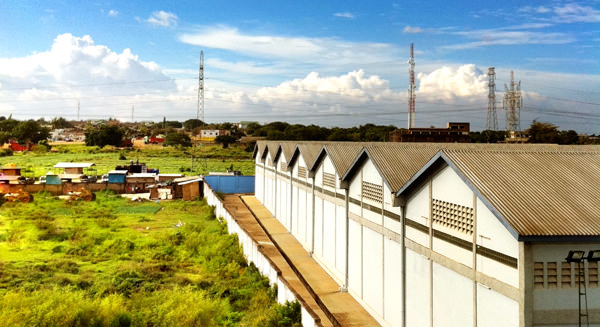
column 548, row 191
column 343, row 154
column 310, row 151
column 271, row 147
column 398, row 162
column 260, row 148
column 118, row 172
column 288, row 148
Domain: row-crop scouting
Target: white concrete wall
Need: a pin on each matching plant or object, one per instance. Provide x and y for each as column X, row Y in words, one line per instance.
column 355, row 259
column 417, row 290
column 495, row 310
column 373, row 270
column 493, row 235
column 447, row 186
column 452, row 298
column 392, row 292
column 417, row 210
column 340, row 241
column 253, row 253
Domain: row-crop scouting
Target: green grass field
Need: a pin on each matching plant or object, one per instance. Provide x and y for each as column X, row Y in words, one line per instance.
column 114, row 262
column 166, row 159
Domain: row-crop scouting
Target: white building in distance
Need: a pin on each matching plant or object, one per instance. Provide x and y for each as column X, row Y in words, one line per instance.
column 426, row 234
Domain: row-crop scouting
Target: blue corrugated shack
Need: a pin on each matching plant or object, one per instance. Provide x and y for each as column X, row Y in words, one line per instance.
column 53, row 179
column 117, row 176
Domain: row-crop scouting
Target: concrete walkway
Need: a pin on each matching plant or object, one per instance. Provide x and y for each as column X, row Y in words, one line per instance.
column 304, row 275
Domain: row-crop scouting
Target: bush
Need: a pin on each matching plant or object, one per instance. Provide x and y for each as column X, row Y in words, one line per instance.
column 6, row 152
column 286, row 315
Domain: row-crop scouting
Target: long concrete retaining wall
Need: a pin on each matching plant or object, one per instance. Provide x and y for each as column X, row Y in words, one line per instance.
column 64, row 188
column 253, row 253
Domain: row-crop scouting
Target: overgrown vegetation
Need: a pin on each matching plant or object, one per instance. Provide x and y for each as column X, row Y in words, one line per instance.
column 114, row 262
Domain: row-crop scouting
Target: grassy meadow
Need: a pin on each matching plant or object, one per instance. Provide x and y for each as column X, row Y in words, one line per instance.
column 166, row 159
column 115, row 262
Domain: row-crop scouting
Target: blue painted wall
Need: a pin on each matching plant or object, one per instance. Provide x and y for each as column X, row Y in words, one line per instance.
column 53, row 180
column 231, row 184
column 116, row 178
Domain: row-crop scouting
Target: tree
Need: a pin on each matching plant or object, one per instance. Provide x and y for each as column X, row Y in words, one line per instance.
column 225, row 140
column 252, row 127
column 540, row 132
column 177, row 138
column 7, row 125
column 29, row 131
column 190, row 124
column 104, row 135
column 488, row 136
column 60, row 122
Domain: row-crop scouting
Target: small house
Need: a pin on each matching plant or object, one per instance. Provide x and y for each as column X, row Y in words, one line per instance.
column 11, row 174
column 191, row 189
column 73, row 171
column 168, row 177
column 138, row 182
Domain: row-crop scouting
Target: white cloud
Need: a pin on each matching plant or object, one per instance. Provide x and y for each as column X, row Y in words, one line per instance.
column 412, row 30
column 574, row 13
column 344, row 15
column 241, row 67
column 448, row 82
column 113, row 13
column 530, row 9
column 355, row 85
column 162, row 18
column 307, row 50
column 76, row 68
column 493, row 37
column 565, row 14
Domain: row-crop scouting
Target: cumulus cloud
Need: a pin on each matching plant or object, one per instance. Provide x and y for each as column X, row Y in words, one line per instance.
column 113, row 13
column 76, row 60
column 77, row 68
column 355, row 85
column 448, row 82
column 162, row 18
column 344, row 15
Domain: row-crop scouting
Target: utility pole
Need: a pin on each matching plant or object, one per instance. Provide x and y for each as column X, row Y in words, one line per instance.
column 492, row 119
column 78, row 109
column 132, row 113
column 200, row 106
column 411, row 88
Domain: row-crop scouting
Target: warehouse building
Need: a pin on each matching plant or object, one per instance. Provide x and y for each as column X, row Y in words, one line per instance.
column 444, row 234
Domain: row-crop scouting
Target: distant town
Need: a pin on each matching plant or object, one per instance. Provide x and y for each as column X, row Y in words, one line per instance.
column 26, row 135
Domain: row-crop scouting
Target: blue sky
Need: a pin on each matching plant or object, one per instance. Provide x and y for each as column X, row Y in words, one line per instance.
column 336, row 63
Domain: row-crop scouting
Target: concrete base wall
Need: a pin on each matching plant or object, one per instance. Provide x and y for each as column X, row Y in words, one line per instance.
column 254, row 254
column 67, row 187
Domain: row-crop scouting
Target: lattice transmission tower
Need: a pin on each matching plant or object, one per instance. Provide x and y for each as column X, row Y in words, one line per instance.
column 411, row 88
column 512, row 103
column 492, row 118
column 200, row 106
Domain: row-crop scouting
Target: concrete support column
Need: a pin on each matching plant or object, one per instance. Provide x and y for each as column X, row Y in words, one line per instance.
column 312, row 215
column 344, row 287
column 526, row 285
